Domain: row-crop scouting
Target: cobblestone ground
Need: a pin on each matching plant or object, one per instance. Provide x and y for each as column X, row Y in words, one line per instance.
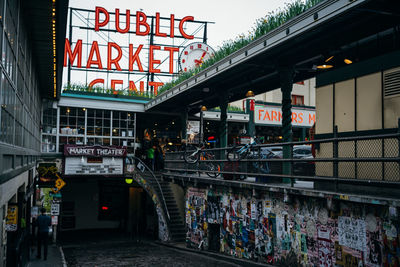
column 135, row 254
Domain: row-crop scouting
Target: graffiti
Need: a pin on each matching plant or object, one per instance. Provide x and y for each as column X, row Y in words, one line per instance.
column 300, row 233
column 352, row 233
column 162, row 226
column 196, row 223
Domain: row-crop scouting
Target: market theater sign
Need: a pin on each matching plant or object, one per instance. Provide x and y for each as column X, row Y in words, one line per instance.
column 94, row 151
column 114, row 51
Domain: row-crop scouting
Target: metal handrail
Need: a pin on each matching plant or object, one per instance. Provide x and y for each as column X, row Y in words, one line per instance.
column 335, row 159
column 155, row 178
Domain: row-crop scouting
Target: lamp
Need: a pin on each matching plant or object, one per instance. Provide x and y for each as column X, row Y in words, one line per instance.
column 348, row 61
column 250, row 93
column 324, row 67
column 203, row 108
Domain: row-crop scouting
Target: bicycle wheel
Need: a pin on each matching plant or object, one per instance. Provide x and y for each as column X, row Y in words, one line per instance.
column 235, row 154
column 191, row 154
column 213, row 169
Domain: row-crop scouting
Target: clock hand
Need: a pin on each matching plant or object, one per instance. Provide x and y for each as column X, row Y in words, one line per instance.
column 204, row 53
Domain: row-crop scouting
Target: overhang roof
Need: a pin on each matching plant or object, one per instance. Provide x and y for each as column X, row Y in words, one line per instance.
column 39, row 26
column 361, row 29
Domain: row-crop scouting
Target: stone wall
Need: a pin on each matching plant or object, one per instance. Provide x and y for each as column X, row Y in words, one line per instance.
column 292, row 230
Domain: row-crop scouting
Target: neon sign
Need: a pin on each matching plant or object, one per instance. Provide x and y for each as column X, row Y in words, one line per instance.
column 134, row 53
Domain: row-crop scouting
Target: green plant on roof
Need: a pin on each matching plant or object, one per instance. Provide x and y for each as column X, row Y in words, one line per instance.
column 229, row 109
column 262, row 26
column 80, row 87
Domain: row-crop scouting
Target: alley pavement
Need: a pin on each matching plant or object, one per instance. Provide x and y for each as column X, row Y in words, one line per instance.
column 54, row 258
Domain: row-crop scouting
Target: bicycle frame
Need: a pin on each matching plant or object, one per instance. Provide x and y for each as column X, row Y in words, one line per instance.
column 247, row 147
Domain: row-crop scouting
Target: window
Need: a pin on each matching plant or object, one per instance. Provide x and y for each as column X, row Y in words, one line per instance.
column 298, row 100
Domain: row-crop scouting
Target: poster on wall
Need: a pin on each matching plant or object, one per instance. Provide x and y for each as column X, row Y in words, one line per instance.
column 12, row 218
column 193, row 132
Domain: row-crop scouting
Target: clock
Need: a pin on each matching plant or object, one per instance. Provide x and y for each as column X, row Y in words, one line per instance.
column 194, row 55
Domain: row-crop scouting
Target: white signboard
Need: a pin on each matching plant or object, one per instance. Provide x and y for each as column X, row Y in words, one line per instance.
column 193, row 131
column 55, row 209
column 108, row 166
column 272, row 115
column 54, row 220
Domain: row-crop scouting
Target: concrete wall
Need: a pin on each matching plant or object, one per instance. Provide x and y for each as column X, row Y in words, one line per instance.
column 323, row 110
column 358, row 107
column 344, row 106
column 179, row 195
column 369, row 106
column 301, row 231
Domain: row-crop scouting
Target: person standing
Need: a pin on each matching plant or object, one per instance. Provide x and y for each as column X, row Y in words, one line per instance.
column 43, row 223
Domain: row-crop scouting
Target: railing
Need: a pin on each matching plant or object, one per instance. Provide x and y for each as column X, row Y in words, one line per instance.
column 369, row 159
column 148, row 175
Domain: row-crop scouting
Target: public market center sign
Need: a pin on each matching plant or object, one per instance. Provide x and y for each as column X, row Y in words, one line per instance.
column 112, row 60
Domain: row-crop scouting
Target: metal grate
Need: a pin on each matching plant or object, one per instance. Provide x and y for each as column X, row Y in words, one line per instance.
column 391, row 83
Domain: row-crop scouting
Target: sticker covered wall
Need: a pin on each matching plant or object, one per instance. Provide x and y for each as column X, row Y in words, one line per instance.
column 302, row 232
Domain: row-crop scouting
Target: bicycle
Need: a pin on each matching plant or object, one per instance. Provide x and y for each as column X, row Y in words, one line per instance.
column 193, row 154
column 237, row 154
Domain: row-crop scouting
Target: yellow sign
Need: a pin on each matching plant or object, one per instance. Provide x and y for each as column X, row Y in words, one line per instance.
column 12, row 218
column 59, row 183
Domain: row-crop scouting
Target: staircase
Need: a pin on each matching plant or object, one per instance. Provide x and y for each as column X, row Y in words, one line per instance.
column 163, row 190
column 175, row 223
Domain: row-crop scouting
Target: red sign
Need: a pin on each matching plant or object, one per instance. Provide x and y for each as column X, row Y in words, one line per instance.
column 114, row 51
column 94, row 151
column 252, row 104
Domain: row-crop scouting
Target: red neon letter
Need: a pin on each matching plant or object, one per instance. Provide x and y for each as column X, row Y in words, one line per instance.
column 72, row 55
column 172, row 26
column 260, row 111
column 135, row 57
column 311, row 118
column 132, row 86
column 96, row 82
column 115, row 60
column 113, row 83
column 127, row 18
column 171, row 57
column 156, row 85
column 141, row 20
column 97, row 23
column 158, row 33
column 188, row 18
column 94, row 49
column 152, row 61
column 141, row 87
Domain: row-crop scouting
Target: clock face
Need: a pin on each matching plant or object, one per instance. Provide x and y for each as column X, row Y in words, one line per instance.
column 194, row 55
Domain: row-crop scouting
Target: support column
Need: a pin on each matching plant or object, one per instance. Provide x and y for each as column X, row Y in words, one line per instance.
column 184, row 117
column 223, row 125
column 286, row 82
column 201, row 134
column 251, row 127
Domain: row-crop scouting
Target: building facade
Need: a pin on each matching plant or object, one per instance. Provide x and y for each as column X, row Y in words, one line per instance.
column 24, row 82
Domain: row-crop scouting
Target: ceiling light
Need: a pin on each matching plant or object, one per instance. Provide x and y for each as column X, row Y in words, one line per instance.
column 329, row 58
column 324, row 66
column 347, row 61
column 249, row 93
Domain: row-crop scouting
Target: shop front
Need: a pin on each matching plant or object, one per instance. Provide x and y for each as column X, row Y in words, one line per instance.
column 268, row 121
column 97, row 197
